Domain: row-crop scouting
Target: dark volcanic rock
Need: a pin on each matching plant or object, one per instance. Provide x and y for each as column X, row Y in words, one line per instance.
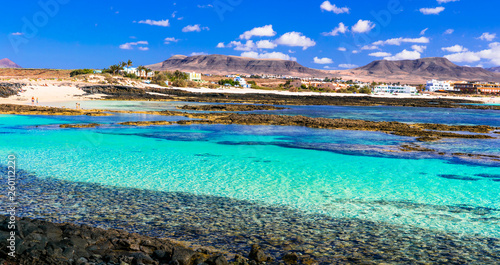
column 40, row 242
column 36, row 110
column 234, row 107
column 121, row 92
column 423, row 131
column 10, row 89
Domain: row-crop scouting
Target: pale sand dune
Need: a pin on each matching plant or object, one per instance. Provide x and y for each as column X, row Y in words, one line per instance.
column 49, row 93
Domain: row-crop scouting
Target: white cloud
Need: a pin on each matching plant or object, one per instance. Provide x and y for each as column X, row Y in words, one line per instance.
column 342, row 49
column 17, row 34
column 404, row 55
column 198, row 53
column 193, row 28
column 327, row 6
column 399, row 41
column 340, row 29
column 355, row 51
column 131, row 45
column 161, row 23
column 323, row 60
column 449, row 31
column 348, row 66
column 423, row 31
column 265, row 31
column 295, row 39
column 380, row 54
column 419, row 48
column 446, row 1
column 238, row 46
column 488, row 36
column 463, row 57
column 432, row 11
column 205, row 6
column 363, row 26
column 143, row 48
column 169, row 40
column 492, row 55
column 369, row 47
column 271, row 55
column 266, row 44
column 221, row 45
column 455, row 49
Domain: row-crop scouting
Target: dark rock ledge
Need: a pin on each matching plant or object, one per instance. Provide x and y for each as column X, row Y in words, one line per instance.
column 40, row 242
column 229, row 107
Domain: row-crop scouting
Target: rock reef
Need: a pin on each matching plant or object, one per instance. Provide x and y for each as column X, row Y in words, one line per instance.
column 423, row 132
column 230, row 107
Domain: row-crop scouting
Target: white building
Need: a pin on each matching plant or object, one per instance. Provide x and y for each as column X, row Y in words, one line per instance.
column 243, row 83
column 133, row 70
column 435, row 85
column 194, row 76
column 395, row 89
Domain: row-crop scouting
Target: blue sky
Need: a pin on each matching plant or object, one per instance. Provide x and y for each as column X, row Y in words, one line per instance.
column 335, row 34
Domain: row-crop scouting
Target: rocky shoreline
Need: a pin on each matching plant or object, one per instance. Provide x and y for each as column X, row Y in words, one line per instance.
column 10, row 89
column 244, row 232
column 39, row 242
column 130, row 93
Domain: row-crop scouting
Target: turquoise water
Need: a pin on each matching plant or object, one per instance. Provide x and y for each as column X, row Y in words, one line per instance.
column 343, row 174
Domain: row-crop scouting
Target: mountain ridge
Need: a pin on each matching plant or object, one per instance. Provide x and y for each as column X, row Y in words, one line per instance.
column 7, row 63
column 407, row 71
column 224, row 64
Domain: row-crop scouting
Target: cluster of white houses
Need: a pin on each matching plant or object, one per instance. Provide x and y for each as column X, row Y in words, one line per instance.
column 431, row 86
column 463, row 87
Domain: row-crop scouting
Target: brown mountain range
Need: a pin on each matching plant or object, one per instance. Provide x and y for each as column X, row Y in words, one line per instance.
column 418, row 71
column 223, row 64
column 406, row 71
column 6, row 63
column 494, row 69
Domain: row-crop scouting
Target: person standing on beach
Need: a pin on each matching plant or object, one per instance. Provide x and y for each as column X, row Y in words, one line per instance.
column 32, row 101
column 37, row 101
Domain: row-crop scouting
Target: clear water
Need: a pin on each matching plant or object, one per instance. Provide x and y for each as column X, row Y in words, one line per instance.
column 338, row 173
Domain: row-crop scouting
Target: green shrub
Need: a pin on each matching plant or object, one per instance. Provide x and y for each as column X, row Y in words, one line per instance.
column 81, row 72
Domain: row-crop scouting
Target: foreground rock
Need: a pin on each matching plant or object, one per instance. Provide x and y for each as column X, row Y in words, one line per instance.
column 40, row 242
column 234, row 107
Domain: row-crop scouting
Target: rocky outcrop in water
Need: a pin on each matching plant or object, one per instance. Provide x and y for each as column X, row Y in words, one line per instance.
column 234, row 107
column 424, row 132
column 36, row 110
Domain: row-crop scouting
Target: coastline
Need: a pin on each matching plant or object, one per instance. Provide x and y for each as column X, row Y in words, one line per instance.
column 51, row 91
